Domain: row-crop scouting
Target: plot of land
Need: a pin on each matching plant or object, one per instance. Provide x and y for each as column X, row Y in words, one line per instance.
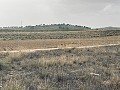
column 96, row 68
column 56, row 43
column 59, row 63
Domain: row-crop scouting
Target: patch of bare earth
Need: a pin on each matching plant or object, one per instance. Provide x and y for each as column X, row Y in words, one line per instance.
column 56, row 43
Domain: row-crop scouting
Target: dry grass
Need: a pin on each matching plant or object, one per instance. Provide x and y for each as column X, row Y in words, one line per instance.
column 77, row 69
column 49, row 43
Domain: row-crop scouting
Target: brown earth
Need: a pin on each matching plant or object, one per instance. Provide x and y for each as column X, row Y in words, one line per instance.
column 56, row 43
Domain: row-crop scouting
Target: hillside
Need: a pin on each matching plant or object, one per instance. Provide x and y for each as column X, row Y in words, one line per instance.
column 53, row 27
column 108, row 28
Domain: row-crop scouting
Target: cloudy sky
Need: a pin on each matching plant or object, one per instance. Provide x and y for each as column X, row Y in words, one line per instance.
column 93, row 13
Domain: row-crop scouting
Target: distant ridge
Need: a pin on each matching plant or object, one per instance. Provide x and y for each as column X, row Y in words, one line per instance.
column 108, row 28
column 49, row 27
column 55, row 27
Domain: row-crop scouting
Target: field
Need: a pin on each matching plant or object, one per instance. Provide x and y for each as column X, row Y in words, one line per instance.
column 55, row 34
column 69, row 62
column 63, row 69
column 56, row 43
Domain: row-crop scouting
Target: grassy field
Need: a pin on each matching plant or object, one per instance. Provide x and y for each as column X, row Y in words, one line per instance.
column 56, row 34
column 63, row 69
column 93, row 68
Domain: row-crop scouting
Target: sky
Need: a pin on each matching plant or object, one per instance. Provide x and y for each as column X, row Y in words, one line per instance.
column 92, row 13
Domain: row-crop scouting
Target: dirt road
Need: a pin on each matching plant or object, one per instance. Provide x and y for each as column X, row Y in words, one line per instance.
column 47, row 49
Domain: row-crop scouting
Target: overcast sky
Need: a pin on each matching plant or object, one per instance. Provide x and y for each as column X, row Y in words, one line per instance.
column 93, row 13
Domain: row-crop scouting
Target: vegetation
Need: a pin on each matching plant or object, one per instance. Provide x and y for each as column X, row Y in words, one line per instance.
column 44, row 27
column 56, row 35
column 76, row 69
column 95, row 68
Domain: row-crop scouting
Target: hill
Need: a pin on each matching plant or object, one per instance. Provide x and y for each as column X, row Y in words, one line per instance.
column 108, row 28
column 53, row 27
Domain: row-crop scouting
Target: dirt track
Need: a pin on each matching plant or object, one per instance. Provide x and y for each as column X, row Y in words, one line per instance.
column 47, row 49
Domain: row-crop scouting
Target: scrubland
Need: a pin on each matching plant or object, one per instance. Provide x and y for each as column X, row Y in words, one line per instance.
column 95, row 68
column 91, row 68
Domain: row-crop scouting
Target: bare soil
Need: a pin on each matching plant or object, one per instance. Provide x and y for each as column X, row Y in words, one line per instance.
column 56, row 43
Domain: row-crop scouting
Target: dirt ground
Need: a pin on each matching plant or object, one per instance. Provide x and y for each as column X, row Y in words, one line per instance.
column 56, row 43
